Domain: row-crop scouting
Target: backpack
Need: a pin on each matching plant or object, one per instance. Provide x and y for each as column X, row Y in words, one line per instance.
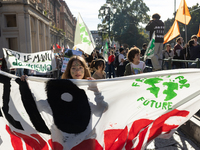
column 116, row 61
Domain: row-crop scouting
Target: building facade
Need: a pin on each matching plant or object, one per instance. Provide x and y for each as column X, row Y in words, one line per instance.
column 32, row 25
column 67, row 24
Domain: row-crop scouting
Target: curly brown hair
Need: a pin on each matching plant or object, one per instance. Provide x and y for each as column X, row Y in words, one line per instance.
column 67, row 73
column 132, row 52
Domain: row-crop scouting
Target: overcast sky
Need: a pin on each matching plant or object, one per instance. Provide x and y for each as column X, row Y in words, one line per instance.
column 89, row 9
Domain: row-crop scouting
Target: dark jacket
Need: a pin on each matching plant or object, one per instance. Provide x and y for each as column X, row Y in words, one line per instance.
column 194, row 52
column 158, row 27
column 128, row 70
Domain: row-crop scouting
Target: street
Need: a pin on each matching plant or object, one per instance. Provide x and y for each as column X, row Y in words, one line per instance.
column 178, row 141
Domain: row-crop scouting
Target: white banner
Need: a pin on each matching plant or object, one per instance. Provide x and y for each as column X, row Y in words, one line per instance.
column 120, row 113
column 41, row 61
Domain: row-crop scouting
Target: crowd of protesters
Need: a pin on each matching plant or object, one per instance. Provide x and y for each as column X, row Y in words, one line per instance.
column 125, row 61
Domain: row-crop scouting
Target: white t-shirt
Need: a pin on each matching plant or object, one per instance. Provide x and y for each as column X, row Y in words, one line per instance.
column 138, row 68
column 121, row 56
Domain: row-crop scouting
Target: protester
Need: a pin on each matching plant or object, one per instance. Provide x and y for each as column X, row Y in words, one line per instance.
column 157, row 26
column 135, row 66
column 121, row 59
column 143, row 50
column 195, row 38
column 19, row 72
column 76, row 69
column 194, row 52
column 111, row 68
column 178, row 54
column 99, row 56
column 166, row 54
column 58, row 66
column 99, row 65
column 4, row 65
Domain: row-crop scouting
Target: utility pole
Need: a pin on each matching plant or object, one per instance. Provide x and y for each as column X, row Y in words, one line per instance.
column 174, row 9
column 109, row 21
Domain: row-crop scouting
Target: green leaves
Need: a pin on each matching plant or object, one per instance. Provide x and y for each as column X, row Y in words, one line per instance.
column 125, row 20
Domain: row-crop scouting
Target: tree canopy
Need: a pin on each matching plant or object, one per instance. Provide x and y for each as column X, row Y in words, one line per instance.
column 124, row 18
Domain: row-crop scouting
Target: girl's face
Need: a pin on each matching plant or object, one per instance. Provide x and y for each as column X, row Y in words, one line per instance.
column 136, row 59
column 77, row 70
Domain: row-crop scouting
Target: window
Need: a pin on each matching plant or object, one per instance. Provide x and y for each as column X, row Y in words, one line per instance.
column 12, row 43
column 11, row 20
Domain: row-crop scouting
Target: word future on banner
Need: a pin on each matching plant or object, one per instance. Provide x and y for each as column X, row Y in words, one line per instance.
column 42, row 61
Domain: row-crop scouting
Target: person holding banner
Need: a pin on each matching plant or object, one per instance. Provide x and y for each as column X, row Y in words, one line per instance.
column 76, row 69
column 156, row 25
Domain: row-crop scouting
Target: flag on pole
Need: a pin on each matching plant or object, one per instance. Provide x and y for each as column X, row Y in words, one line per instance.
column 173, row 32
column 63, row 49
column 58, row 46
column 150, row 49
column 183, row 14
column 105, row 51
column 114, row 114
column 199, row 32
column 53, row 47
column 83, row 38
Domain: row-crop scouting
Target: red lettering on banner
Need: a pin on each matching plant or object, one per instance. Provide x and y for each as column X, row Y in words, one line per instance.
column 135, row 129
column 55, row 145
column 15, row 140
column 90, row 144
column 31, row 143
column 159, row 125
column 115, row 139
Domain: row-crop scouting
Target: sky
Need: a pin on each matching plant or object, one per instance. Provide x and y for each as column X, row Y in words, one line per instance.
column 89, row 9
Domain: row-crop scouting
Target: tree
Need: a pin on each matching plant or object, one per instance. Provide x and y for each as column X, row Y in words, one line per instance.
column 125, row 21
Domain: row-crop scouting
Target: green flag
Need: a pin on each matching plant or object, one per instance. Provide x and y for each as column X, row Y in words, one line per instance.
column 150, row 49
column 105, row 51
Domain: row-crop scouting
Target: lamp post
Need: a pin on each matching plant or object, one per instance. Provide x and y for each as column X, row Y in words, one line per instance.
column 174, row 8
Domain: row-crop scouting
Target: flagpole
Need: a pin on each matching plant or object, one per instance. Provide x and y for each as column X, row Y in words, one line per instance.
column 185, row 39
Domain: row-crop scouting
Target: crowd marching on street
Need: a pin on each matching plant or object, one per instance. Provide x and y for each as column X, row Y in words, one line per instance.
column 129, row 61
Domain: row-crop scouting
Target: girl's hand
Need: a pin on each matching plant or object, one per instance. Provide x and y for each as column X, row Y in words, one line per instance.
column 23, row 77
column 90, row 78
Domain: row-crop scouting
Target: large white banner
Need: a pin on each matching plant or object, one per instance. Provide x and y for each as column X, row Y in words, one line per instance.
column 41, row 61
column 121, row 113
